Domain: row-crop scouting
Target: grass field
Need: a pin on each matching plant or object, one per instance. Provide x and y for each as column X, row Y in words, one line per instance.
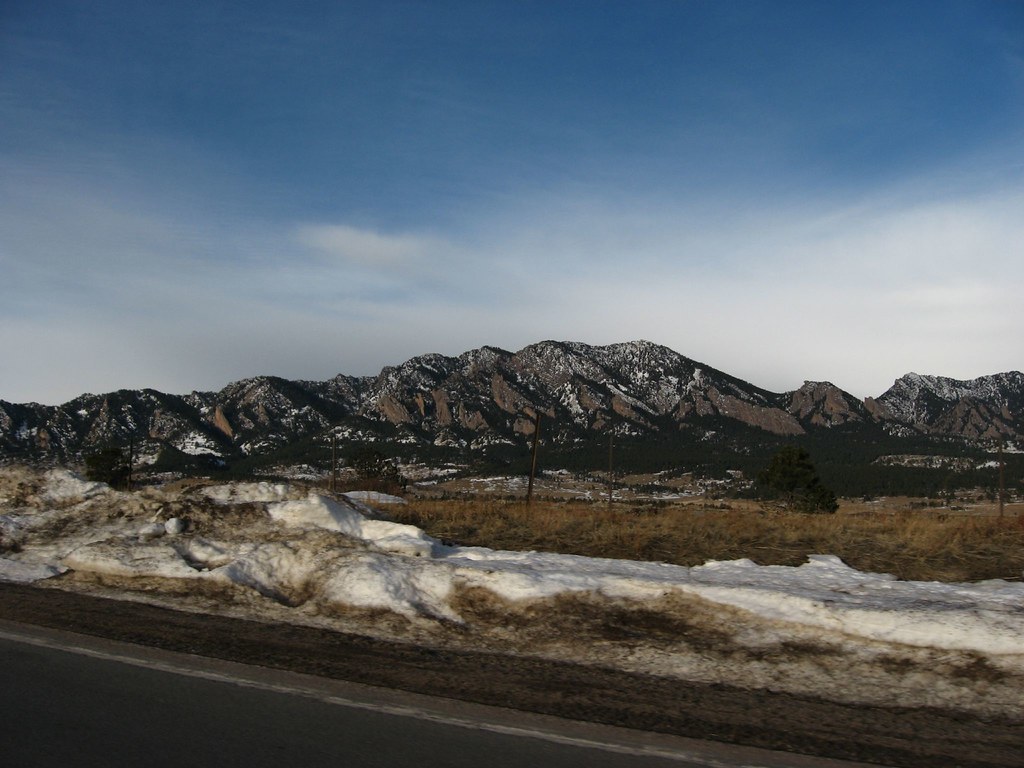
column 904, row 537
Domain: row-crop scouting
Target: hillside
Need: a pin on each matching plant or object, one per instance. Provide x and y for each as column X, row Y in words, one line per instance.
column 662, row 409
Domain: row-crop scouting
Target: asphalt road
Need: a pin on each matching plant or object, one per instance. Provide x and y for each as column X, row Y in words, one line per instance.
column 71, row 700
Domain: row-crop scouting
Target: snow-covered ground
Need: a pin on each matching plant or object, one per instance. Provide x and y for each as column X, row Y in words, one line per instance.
column 274, row 552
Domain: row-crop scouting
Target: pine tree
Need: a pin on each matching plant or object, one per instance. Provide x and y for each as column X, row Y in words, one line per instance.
column 376, row 471
column 108, row 465
column 791, row 478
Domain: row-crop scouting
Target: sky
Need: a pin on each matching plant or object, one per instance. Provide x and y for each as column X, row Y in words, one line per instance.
column 192, row 194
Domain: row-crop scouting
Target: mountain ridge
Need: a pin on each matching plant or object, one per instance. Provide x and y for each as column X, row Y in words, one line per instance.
column 488, row 397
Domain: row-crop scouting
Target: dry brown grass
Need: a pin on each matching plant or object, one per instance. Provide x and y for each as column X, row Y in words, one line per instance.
column 911, row 543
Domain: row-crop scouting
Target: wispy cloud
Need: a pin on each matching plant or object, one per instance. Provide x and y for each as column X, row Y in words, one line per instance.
column 367, row 248
column 757, row 203
column 857, row 294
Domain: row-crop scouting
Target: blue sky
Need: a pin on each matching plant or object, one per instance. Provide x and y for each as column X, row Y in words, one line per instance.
column 191, row 194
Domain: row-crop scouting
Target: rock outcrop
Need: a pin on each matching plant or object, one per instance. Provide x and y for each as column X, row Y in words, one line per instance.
column 489, row 397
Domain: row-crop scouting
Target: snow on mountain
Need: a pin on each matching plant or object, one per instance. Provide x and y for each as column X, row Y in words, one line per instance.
column 272, row 552
column 490, row 397
column 989, row 407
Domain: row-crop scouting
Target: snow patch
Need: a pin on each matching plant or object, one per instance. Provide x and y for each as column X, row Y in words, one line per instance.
column 374, row 497
column 26, row 573
column 235, row 493
column 320, row 512
column 196, row 444
column 316, row 557
column 411, row 589
column 62, row 485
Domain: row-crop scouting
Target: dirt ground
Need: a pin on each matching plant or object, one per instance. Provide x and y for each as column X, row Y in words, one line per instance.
column 903, row 737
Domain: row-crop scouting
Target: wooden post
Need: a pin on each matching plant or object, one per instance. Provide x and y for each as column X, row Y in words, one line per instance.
column 533, row 464
column 611, row 440
column 1002, row 488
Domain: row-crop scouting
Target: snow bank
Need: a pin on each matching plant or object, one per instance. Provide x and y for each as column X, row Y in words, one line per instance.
column 62, row 485
column 827, row 594
column 276, row 570
column 824, row 593
column 412, row 589
column 330, row 562
column 374, row 497
column 320, row 512
column 237, row 493
column 12, row 526
column 26, row 572
column 205, row 554
column 393, row 567
column 129, row 557
column 536, row 575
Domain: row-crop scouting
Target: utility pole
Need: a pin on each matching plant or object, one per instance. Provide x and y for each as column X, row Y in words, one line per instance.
column 611, row 440
column 533, row 465
column 334, row 461
column 1002, row 473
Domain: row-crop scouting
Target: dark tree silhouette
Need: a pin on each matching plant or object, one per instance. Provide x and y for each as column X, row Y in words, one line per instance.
column 376, row 471
column 108, row 465
column 791, row 478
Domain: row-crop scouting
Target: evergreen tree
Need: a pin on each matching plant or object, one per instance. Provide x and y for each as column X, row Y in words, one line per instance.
column 377, row 471
column 791, row 478
column 108, row 465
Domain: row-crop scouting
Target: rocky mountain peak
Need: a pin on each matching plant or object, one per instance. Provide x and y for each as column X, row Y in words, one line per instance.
column 988, row 407
column 490, row 397
column 823, row 404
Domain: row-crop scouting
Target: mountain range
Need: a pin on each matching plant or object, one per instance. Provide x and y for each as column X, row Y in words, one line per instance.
column 488, row 401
